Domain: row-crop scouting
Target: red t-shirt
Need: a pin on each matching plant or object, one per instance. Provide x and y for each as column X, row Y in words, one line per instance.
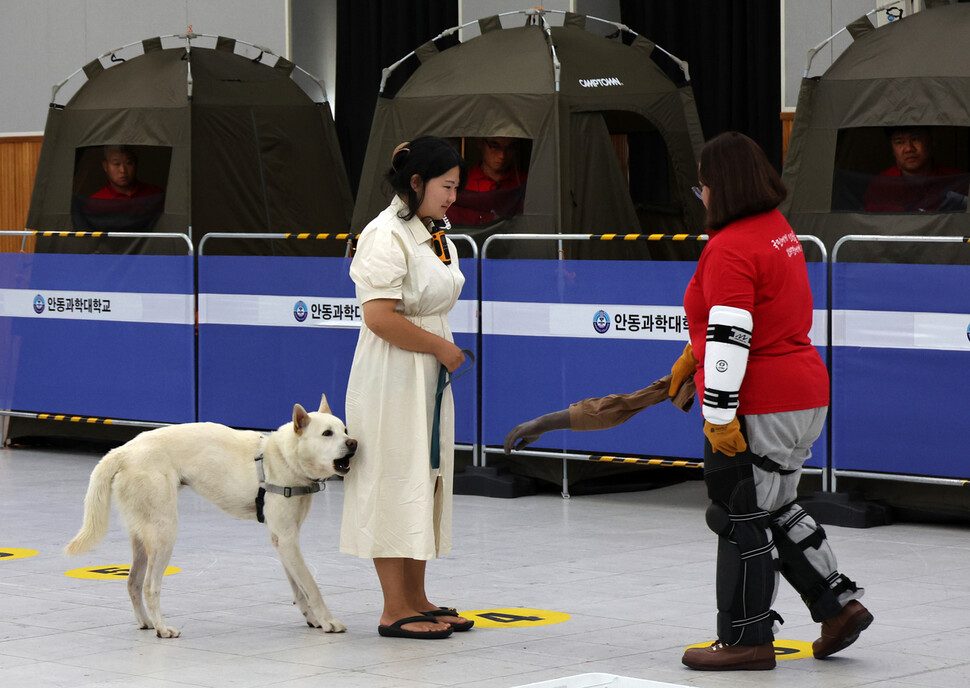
column 890, row 192
column 484, row 199
column 479, row 181
column 141, row 190
column 757, row 264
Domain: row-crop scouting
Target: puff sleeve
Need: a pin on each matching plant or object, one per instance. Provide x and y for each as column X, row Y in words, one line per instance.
column 380, row 265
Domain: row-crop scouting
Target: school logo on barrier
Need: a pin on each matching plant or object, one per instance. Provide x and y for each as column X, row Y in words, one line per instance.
column 38, row 304
column 601, row 322
column 300, row 311
column 968, row 331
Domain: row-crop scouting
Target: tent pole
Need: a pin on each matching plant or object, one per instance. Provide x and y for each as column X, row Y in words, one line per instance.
column 814, row 51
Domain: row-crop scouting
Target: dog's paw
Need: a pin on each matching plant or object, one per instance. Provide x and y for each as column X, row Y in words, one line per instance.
column 333, row 626
column 167, row 632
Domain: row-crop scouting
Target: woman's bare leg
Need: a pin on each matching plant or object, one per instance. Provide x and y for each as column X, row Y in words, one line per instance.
column 402, row 582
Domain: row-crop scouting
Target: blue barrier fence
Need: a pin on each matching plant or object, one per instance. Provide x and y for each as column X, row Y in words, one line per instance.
column 98, row 335
column 279, row 330
column 113, row 336
column 555, row 332
column 900, row 366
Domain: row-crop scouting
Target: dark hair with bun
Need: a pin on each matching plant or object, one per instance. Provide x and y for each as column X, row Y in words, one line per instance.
column 428, row 157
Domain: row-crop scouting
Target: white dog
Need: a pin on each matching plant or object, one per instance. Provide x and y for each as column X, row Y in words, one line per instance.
column 245, row 473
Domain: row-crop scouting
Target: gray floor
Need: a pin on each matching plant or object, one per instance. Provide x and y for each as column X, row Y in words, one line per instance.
column 633, row 571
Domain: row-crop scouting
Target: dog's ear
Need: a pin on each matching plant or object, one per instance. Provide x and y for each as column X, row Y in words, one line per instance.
column 324, row 406
column 301, row 418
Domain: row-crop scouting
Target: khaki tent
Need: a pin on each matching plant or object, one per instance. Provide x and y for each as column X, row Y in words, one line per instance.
column 233, row 140
column 609, row 141
column 911, row 71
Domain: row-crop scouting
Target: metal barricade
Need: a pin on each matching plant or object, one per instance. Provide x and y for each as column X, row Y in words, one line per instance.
column 100, row 339
column 553, row 332
column 277, row 330
column 901, row 365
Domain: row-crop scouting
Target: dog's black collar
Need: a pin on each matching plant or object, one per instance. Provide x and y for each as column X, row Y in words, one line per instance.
column 265, row 487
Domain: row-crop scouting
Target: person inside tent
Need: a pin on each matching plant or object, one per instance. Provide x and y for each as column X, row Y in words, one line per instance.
column 120, row 165
column 915, row 182
column 123, row 204
column 495, row 188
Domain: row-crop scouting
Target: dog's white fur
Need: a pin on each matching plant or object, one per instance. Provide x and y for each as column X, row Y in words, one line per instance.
column 145, row 474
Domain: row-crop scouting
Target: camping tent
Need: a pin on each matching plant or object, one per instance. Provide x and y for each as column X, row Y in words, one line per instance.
column 233, row 139
column 227, row 129
column 609, row 140
column 912, row 71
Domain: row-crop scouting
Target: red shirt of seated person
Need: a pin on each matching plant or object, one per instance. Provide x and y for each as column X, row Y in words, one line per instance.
column 119, row 165
column 495, row 188
column 913, row 183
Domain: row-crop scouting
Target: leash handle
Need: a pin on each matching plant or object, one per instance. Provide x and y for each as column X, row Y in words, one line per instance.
column 443, row 381
column 453, row 377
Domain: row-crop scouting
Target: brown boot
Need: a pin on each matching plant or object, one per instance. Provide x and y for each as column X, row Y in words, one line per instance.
column 721, row 657
column 841, row 631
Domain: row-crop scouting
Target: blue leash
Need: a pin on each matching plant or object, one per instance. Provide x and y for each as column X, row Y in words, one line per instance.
column 443, row 381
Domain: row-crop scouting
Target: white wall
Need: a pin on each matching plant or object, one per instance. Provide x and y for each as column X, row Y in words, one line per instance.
column 313, row 41
column 806, row 23
column 44, row 41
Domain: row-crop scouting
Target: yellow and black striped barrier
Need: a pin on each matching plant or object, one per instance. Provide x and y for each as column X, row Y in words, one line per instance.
column 89, row 420
column 679, row 463
column 648, row 237
column 308, row 235
column 75, row 419
column 38, row 233
column 113, row 235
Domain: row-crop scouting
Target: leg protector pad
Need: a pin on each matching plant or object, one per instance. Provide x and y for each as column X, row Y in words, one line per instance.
column 807, row 562
column 745, row 553
column 718, row 519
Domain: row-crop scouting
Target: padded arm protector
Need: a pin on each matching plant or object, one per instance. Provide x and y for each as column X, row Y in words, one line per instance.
column 725, row 360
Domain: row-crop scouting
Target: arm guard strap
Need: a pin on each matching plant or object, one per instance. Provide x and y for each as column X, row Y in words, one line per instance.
column 725, row 360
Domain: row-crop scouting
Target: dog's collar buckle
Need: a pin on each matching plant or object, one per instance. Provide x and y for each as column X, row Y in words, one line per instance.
column 286, row 491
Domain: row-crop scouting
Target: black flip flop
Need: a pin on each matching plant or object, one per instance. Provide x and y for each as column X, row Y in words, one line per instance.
column 395, row 631
column 451, row 611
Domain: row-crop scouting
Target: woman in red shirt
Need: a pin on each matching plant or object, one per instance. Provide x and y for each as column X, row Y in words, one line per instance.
column 764, row 390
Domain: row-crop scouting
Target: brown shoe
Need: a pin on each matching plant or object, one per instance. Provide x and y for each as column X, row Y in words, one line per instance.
column 721, row 657
column 841, row 631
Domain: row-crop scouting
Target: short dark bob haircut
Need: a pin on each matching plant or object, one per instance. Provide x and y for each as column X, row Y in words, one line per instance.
column 740, row 180
column 428, row 157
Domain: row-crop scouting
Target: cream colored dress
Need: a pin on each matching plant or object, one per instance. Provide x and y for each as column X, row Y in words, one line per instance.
column 390, row 505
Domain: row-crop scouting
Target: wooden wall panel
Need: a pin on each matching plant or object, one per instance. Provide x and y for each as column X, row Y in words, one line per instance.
column 18, row 165
column 787, row 120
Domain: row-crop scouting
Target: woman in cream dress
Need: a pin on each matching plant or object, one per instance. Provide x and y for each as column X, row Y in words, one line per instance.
column 397, row 507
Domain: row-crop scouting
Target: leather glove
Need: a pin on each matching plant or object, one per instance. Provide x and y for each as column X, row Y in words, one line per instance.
column 524, row 434
column 683, row 367
column 726, row 439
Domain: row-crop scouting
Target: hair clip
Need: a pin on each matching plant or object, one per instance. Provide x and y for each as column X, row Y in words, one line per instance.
column 397, row 149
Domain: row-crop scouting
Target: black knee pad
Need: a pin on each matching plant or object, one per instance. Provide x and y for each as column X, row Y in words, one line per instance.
column 718, row 518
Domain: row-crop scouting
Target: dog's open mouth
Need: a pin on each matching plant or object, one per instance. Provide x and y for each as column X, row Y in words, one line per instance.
column 342, row 466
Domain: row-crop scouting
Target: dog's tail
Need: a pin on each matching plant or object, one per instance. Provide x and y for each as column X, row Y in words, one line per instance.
column 97, row 504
